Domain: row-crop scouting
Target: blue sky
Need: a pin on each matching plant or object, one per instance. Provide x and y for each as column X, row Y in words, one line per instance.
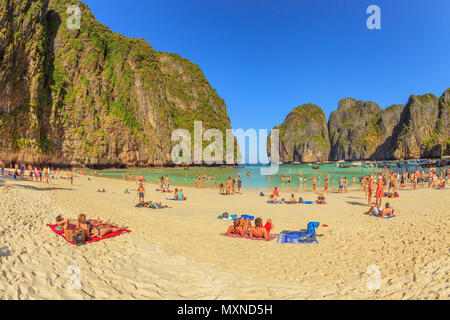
column 265, row 57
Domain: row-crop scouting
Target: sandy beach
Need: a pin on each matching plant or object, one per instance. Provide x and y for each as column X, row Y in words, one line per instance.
column 178, row 252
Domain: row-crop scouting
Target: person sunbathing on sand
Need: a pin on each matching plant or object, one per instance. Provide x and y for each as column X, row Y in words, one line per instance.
column 387, row 211
column 377, row 211
column 240, row 226
column 321, row 199
column 292, row 199
column 90, row 229
column 272, row 198
column 260, row 231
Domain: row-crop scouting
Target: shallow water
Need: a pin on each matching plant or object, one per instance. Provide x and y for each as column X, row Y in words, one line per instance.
column 180, row 176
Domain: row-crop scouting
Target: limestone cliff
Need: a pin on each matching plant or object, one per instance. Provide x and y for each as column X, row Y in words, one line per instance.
column 92, row 96
column 361, row 130
column 424, row 128
column 304, row 135
column 355, row 129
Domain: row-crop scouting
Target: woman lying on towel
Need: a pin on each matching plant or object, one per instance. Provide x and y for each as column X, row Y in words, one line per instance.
column 377, row 211
column 260, row 231
column 90, row 229
column 240, row 226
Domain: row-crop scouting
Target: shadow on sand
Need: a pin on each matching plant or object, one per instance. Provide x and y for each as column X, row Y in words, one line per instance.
column 357, row 203
column 39, row 188
column 4, row 252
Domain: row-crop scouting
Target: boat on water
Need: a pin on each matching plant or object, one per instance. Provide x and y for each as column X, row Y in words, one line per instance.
column 316, row 167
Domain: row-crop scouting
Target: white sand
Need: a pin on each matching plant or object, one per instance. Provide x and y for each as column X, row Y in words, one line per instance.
column 177, row 253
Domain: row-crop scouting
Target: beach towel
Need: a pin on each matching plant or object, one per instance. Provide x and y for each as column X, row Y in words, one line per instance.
column 308, row 202
column 273, row 202
column 60, row 232
column 149, row 206
column 230, row 217
column 233, row 235
column 298, row 237
column 246, row 216
column 175, row 199
column 387, row 217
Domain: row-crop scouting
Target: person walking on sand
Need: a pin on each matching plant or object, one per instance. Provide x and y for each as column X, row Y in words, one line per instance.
column 369, row 190
column 141, row 192
column 70, row 177
column 325, row 189
column 239, row 184
column 229, row 186
column 379, row 192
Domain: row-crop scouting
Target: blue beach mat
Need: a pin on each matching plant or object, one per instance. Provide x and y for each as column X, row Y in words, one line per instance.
column 299, row 237
column 273, row 203
column 308, row 202
column 175, row 199
column 246, row 216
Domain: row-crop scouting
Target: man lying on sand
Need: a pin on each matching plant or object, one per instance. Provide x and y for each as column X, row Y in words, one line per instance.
column 90, row 229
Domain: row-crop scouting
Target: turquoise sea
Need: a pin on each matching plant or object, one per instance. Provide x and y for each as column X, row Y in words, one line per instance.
column 180, row 176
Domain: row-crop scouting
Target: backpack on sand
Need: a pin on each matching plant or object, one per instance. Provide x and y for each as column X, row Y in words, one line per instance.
column 79, row 239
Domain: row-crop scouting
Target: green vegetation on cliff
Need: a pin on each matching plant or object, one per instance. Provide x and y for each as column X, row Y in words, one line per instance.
column 90, row 95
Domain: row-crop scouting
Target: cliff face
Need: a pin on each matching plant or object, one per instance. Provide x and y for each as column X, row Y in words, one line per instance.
column 390, row 125
column 362, row 130
column 92, row 96
column 424, row 131
column 304, row 135
column 355, row 129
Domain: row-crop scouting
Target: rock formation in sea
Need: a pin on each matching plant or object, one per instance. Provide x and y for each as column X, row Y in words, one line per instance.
column 304, row 135
column 91, row 96
column 360, row 130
